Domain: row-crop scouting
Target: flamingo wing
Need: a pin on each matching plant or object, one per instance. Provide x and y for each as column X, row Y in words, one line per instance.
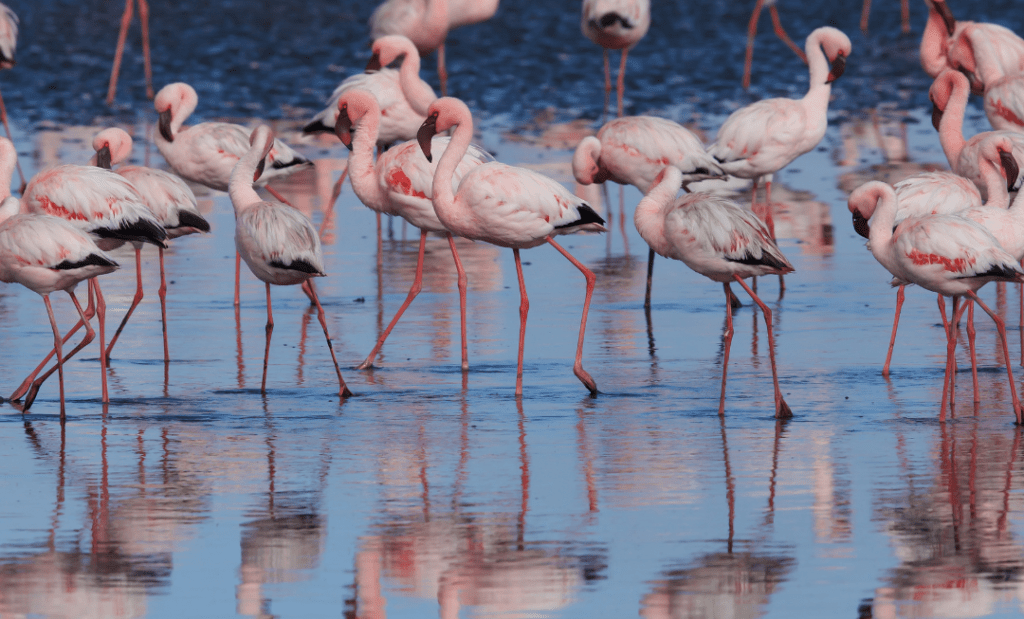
column 934, row 193
column 947, row 247
column 280, row 237
column 46, row 253
column 763, row 130
column 1004, row 103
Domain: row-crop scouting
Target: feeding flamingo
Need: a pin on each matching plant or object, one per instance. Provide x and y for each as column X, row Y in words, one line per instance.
column 277, row 242
column 167, row 197
column 115, row 70
column 400, row 184
column 633, row 150
column 718, row 239
column 45, row 254
column 506, row 206
column 615, row 24
column 946, row 254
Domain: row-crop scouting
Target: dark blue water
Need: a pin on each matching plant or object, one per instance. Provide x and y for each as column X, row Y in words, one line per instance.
column 282, row 59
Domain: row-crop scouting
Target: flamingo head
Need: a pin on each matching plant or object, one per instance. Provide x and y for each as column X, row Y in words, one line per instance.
column 388, row 49
column 941, row 91
column 112, row 145
column 961, row 57
column 262, row 139
column 174, row 103
column 863, row 202
column 837, row 48
column 585, row 166
column 997, row 149
column 442, row 115
column 353, row 106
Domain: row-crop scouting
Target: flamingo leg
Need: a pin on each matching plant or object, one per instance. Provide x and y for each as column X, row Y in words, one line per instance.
column 900, row 294
column 945, row 376
column 974, row 355
column 101, row 318
column 751, row 33
column 524, row 309
column 782, row 409
column 417, row 286
column 905, row 16
column 442, row 71
column 126, row 20
column 144, row 23
column 577, row 367
column 650, row 275
column 621, row 80
column 7, row 128
column 163, row 305
column 727, row 344
column 463, row 285
column 89, row 335
column 864, row 13
column 329, row 211
column 1021, row 320
column 607, row 82
column 769, row 219
column 277, row 195
column 343, row 390
column 266, row 351
column 380, row 245
column 781, row 33
column 135, row 301
column 953, row 332
column 622, row 219
column 58, row 344
column 238, row 277
column 1001, row 327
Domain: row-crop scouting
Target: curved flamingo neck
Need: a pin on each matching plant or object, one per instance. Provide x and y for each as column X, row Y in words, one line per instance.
column 182, row 109
column 951, row 132
column 416, row 91
column 240, row 186
column 584, row 160
column 882, row 219
column 995, row 183
column 444, row 198
column 649, row 214
column 819, row 89
column 360, row 162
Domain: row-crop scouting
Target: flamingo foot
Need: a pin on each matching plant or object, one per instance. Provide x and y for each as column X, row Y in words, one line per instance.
column 585, row 378
column 782, row 410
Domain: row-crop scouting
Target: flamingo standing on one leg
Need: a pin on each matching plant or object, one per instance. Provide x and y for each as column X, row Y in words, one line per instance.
column 718, row 239
column 506, row 206
column 278, row 243
column 633, row 150
column 400, row 184
column 946, row 254
column 126, row 20
column 207, row 153
column 167, row 197
column 615, row 24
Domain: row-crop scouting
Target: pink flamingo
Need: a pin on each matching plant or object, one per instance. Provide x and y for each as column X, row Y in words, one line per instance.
column 993, row 60
column 167, row 197
column 633, row 150
column 718, row 239
column 400, row 184
column 762, row 138
column 278, row 243
column 115, row 70
column 45, row 254
column 8, row 45
column 946, row 254
column 615, row 24
column 508, row 207
column 418, row 93
column 940, row 32
column 206, row 153
column 949, row 93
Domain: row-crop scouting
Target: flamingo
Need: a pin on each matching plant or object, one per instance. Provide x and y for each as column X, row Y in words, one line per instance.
column 508, row 207
column 400, row 184
column 8, row 45
column 993, row 60
column 946, row 254
column 206, row 153
column 949, row 93
column 167, row 197
column 940, row 32
column 615, row 24
column 115, row 70
column 718, row 239
column 633, row 150
column 45, row 254
column 390, row 48
column 277, row 242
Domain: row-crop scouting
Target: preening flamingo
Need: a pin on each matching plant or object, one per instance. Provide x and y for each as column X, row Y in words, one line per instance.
column 615, row 24
column 992, row 58
column 45, row 254
column 717, row 238
column 207, row 153
column 946, row 254
column 633, row 150
column 949, row 93
column 400, row 184
column 277, row 242
column 166, row 196
column 505, row 206
column 115, row 70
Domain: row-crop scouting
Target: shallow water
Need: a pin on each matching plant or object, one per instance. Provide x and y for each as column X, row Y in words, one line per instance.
column 435, row 492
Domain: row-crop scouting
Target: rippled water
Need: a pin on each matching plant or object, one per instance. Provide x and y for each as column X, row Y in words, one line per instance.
column 438, row 493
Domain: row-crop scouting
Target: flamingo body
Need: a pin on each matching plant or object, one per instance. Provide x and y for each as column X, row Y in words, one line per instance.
column 615, row 24
column 424, row 22
column 399, row 122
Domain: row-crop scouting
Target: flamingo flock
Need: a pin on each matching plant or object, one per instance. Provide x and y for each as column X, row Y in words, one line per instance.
column 950, row 233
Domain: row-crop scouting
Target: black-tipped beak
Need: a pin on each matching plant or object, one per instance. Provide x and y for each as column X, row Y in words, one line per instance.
column 838, row 66
column 1010, row 167
column 343, row 126
column 259, row 169
column 860, row 225
column 936, row 116
column 947, row 16
column 426, row 134
column 165, row 125
column 602, row 175
column 103, row 159
column 374, row 64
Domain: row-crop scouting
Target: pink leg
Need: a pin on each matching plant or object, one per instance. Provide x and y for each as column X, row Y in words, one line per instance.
column 865, row 11
column 577, row 367
column 238, row 271
column 89, row 335
column 101, row 317
column 463, row 284
column 895, row 323
column 650, row 276
column 1021, row 320
column 144, row 22
column 621, row 80
column 524, row 309
column 266, row 351
column 768, row 219
column 7, row 128
column 308, row 290
column 607, row 82
column 442, row 72
column 782, row 409
column 163, row 305
column 329, row 211
column 905, row 15
column 58, row 345
column 343, row 390
column 417, row 285
column 974, row 355
column 25, row 384
column 1006, row 354
column 277, row 196
column 751, row 33
column 126, row 20
column 727, row 344
column 380, row 245
column 135, row 301
column 947, row 327
column 779, row 32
